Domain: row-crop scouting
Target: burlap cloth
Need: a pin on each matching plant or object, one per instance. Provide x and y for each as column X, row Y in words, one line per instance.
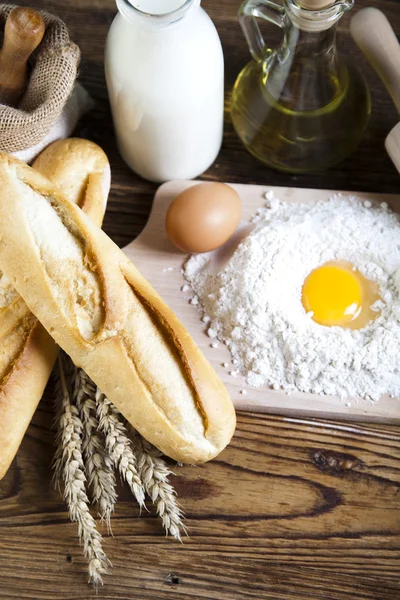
column 52, row 78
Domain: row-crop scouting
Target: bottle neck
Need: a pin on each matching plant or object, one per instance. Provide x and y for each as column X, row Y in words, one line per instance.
column 306, row 73
column 311, row 45
column 156, row 14
column 316, row 20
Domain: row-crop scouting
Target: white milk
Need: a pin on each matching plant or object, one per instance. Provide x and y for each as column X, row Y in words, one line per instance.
column 165, row 77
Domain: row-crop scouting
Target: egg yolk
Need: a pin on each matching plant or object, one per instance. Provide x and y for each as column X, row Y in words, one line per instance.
column 333, row 294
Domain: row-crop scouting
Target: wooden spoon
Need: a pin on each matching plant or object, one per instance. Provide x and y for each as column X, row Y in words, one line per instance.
column 23, row 32
column 373, row 33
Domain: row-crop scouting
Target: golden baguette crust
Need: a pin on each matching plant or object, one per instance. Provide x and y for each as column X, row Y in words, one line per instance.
column 135, row 349
column 81, row 170
column 28, row 352
column 22, row 387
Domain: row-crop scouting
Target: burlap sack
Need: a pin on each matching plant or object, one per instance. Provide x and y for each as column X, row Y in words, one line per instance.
column 54, row 70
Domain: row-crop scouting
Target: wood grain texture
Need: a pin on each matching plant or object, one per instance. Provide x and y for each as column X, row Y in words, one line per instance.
column 294, row 509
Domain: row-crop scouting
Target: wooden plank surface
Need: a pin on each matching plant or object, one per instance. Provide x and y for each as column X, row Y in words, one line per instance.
column 294, row 509
column 161, row 264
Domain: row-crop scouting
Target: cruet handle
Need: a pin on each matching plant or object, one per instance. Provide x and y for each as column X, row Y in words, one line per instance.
column 248, row 13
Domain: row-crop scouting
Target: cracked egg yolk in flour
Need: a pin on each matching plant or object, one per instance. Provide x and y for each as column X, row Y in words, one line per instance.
column 336, row 294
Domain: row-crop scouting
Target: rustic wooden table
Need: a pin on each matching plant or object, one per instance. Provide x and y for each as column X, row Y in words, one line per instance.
column 294, row 509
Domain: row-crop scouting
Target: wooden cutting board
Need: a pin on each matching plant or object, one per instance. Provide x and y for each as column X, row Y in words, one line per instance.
column 161, row 264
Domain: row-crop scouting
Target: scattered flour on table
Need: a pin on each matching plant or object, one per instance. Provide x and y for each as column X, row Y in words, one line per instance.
column 254, row 305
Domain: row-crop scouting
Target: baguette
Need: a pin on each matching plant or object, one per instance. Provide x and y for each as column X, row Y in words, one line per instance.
column 107, row 317
column 81, row 170
column 28, row 352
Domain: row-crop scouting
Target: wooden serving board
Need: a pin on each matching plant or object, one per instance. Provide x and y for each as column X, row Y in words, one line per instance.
column 160, row 262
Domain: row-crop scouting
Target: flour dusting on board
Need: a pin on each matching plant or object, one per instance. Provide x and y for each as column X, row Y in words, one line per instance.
column 254, row 304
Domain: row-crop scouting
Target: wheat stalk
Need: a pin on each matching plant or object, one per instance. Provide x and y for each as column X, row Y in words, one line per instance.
column 92, row 441
column 119, row 445
column 99, row 465
column 69, row 466
column 154, row 473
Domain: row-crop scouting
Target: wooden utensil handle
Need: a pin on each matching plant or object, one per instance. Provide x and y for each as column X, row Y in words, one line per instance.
column 393, row 146
column 373, row 33
column 23, row 32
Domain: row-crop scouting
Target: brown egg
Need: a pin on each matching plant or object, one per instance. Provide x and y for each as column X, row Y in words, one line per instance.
column 203, row 217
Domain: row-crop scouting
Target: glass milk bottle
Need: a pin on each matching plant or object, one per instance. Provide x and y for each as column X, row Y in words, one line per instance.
column 165, row 76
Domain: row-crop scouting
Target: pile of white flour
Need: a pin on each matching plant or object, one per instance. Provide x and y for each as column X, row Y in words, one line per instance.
column 255, row 307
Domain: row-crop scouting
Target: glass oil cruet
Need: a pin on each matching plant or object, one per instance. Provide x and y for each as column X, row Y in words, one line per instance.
column 300, row 107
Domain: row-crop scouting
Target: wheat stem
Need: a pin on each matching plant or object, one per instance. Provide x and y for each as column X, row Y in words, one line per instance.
column 119, row 445
column 154, row 473
column 69, row 465
column 99, row 465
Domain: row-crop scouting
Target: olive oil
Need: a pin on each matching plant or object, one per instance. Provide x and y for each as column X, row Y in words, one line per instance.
column 302, row 107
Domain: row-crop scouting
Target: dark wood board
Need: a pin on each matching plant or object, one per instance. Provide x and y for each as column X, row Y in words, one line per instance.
column 294, row 509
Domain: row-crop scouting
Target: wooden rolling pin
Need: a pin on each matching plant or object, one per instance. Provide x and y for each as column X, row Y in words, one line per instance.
column 373, row 33
column 23, row 33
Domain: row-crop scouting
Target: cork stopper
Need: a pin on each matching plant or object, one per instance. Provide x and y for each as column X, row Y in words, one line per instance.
column 315, row 4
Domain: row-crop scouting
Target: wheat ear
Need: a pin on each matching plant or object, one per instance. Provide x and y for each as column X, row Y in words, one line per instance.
column 154, row 473
column 99, row 465
column 68, row 465
column 119, row 445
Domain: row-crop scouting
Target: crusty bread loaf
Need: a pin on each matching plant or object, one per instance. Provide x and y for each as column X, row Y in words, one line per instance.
column 28, row 352
column 81, row 170
column 108, row 318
